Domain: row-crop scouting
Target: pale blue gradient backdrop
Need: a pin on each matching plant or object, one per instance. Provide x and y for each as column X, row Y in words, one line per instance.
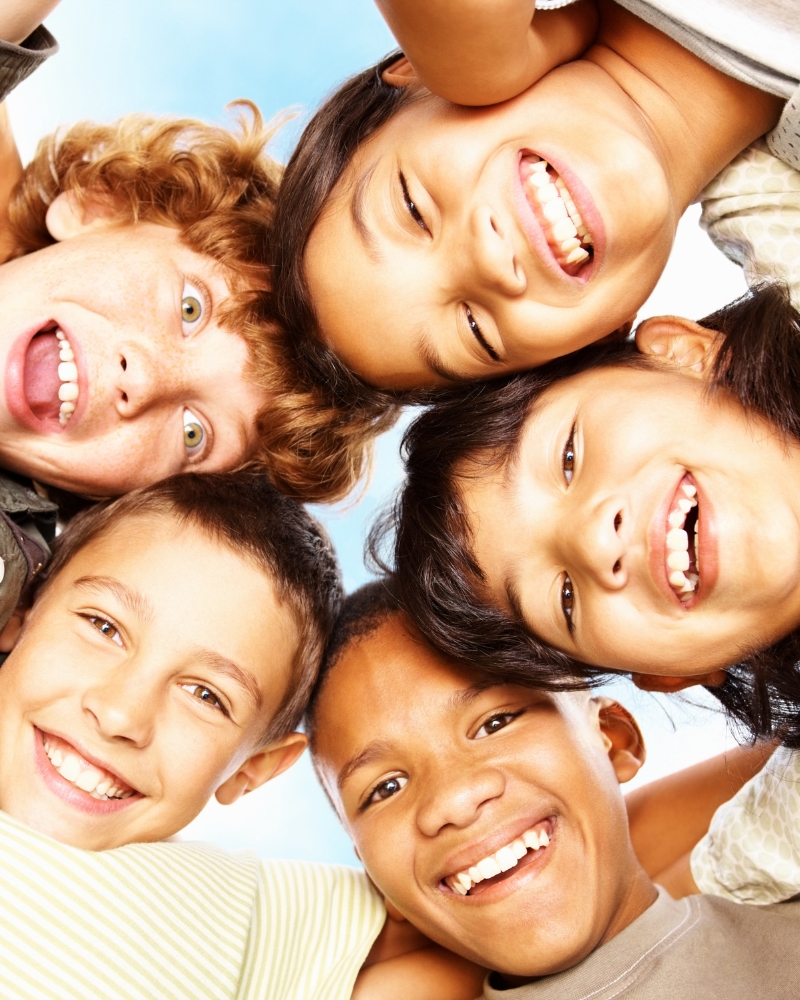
column 191, row 57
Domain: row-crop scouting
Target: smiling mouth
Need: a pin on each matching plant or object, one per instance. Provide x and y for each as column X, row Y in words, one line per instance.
column 50, row 377
column 96, row 781
column 503, row 863
column 682, row 562
column 561, row 222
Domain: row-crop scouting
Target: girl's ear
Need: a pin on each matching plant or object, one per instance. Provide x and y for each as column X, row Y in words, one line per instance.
column 624, row 739
column 400, row 73
column 12, row 629
column 679, row 342
column 669, row 685
column 70, row 216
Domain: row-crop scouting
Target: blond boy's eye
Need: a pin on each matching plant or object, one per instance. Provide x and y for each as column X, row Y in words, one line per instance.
column 109, row 630
column 193, row 433
column 204, row 694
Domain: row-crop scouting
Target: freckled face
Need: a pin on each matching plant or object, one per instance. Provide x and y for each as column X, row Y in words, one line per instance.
column 435, row 260
column 431, row 771
column 583, row 532
column 151, row 382
column 140, row 684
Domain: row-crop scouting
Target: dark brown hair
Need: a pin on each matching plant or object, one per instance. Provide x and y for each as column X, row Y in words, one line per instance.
column 439, row 580
column 244, row 511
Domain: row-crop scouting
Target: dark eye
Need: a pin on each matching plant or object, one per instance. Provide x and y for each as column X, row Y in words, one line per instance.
column 413, row 211
column 568, row 456
column 476, row 330
column 204, row 694
column 495, row 724
column 386, row 789
column 568, row 601
column 107, row 628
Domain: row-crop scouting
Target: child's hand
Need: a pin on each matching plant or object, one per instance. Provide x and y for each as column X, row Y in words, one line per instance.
column 18, row 18
column 486, row 51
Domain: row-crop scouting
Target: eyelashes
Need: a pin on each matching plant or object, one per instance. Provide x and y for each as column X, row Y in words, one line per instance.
column 413, row 211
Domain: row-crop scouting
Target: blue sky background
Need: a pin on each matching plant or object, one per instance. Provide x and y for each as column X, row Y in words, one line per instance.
column 192, row 57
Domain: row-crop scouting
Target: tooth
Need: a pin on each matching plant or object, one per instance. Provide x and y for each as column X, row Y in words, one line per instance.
column 586, row 237
column 475, row 875
column 685, row 505
column 68, row 391
column 531, row 839
column 465, row 880
column 103, row 786
column 575, row 215
column 459, row 888
column 677, row 540
column 677, row 579
column 57, row 758
column 519, row 848
column 506, row 858
column 687, row 588
column 576, row 255
column 71, row 767
column 67, row 408
column 689, row 490
column 554, row 211
column 488, row 867
column 571, row 244
column 60, row 335
column 88, row 779
column 539, row 179
column 65, row 354
column 544, row 839
column 676, row 519
column 563, row 230
column 678, row 560
column 68, row 371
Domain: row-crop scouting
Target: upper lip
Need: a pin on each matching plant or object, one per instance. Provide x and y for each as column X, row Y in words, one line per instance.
column 533, row 230
column 90, row 758
column 469, row 855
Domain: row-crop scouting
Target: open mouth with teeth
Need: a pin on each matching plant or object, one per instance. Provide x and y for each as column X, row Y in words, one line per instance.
column 51, row 376
column 95, row 781
column 682, row 542
column 565, row 231
column 504, row 863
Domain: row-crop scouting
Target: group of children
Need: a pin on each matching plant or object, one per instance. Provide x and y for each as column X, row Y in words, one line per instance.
column 500, row 196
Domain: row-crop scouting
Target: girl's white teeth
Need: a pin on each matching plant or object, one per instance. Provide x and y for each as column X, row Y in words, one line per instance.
column 562, row 223
column 678, row 559
column 501, row 861
column 69, row 390
column 84, row 776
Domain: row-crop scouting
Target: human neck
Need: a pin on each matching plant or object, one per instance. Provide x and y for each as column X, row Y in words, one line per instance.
column 636, row 895
column 698, row 118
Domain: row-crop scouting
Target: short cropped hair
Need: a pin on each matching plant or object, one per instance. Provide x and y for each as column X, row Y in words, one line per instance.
column 244, row 511
column 218, row 187
column 439, row 580
column 363, row 612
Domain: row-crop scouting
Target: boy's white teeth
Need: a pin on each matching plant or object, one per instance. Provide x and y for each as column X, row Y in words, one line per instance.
column 501, row 861
column 560, row 219
column 69, row 390
column 678, row 560
column 94, row 780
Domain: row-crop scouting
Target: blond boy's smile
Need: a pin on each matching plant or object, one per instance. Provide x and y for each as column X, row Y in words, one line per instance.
column 78, row 778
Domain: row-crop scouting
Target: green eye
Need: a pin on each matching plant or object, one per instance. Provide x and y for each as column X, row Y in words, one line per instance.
column 193, row 433
column 191, row 309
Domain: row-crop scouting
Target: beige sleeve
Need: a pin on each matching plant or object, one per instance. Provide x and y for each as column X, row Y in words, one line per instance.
column 751, row 853
column 751, row 211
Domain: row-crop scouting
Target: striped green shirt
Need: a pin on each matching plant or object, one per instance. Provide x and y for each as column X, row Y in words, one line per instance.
column 149, row 921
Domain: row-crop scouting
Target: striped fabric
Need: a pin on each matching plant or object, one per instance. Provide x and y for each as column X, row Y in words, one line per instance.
column 148, row 921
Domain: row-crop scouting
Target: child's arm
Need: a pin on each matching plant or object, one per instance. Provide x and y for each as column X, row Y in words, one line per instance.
column 669, row 816
column 18, row 18
column 10, row 173
column 485, row 51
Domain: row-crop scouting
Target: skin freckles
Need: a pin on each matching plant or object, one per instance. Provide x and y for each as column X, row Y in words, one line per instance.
column 117, row 293
column 432, row 768
column 132, row 659
column 573, row 530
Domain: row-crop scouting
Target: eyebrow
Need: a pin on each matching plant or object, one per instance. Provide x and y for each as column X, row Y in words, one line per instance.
column 357, row 203
column 514, row 599
column 135, row 602
column 434, row 362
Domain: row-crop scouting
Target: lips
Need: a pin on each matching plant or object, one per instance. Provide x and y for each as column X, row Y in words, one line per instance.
column 45, row 386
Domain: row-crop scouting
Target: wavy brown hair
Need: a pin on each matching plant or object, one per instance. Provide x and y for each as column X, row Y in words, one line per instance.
column 218, row 187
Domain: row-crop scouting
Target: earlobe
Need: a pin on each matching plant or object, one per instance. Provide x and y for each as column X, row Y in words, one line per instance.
column 69, row 215
column 626, row 749
column 262, row 767
column 9, row 636
column 400, row 74
column 669, row 685
column 680, row 343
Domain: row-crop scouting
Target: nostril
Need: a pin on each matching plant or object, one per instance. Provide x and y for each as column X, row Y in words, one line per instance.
column 124, row 397
column 617, row 566
column 124, row 364
column 617, row 522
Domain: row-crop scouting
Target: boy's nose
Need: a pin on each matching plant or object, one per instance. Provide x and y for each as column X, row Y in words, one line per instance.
column 146, row 378
column 597, row 543
column 457, row 799
column 490, row 254
column 120, row 707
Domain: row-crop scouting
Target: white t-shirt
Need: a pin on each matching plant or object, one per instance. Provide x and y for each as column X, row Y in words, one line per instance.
column 181, row 920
